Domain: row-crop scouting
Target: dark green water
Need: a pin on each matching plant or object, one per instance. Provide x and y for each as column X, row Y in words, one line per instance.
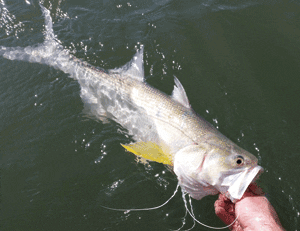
column 239, row 62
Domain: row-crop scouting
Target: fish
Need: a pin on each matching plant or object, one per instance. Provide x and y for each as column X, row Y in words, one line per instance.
column 165, row 128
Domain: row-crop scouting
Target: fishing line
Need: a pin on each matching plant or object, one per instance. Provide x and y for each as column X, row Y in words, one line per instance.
column 184, row 222
column 144, row 208
column 192, row 215
column 190, row 202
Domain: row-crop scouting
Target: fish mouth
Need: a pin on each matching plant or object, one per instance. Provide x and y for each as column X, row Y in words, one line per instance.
column 261, row 170
column 234, row 184
column 250, row 176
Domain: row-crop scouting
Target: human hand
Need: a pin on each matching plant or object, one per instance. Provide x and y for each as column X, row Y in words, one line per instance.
column 254, row 211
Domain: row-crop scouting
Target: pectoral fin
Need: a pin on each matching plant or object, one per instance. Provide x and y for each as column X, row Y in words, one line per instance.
column 149, row 151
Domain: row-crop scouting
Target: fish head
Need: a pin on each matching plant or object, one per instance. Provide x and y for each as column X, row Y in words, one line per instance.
column 208, row 169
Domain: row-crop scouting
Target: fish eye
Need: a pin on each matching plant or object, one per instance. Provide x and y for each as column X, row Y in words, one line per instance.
column 239, row 160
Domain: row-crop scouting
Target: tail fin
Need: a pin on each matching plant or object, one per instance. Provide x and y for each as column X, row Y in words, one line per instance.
column 50, row 52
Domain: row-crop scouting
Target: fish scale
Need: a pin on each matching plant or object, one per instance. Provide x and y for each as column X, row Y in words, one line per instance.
column 165, row 128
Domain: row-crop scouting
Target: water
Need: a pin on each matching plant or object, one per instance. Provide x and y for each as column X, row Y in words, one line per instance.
column 239, row 64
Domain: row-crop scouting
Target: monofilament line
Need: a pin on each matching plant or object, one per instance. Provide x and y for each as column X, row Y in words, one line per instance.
column 144, row 209
column 192, row 215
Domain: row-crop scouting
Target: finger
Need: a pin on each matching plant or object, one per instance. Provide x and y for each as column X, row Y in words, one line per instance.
column 256, row 189
column 253, row 190
column 226, row 217
column 224, row 209
column 219, row 203
column 230, row 208
column 220, row 211
column 224, row 198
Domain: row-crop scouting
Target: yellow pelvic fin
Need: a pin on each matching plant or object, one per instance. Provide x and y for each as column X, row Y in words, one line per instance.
column 150, row 151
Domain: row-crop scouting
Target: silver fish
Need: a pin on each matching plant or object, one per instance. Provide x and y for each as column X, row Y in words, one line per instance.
column 165, row 127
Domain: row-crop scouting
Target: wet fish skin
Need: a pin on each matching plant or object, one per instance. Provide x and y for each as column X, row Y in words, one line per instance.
column 202, row 157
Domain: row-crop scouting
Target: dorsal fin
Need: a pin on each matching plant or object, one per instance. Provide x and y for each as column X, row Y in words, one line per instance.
column 179, row 94
column 134, row 68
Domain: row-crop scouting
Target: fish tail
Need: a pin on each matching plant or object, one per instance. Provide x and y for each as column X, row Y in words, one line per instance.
column 49, row 52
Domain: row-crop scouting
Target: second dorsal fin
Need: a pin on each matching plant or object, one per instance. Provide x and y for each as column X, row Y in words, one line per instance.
column 179, row 94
